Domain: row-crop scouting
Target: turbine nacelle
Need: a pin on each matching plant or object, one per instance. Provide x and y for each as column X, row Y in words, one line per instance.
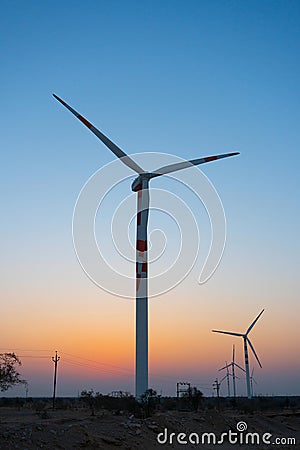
column 139, row 183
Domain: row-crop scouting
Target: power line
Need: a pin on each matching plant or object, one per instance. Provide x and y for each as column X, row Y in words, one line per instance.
column 108, row 369
column 95, row 367
column 23, row 350
column 97, row 362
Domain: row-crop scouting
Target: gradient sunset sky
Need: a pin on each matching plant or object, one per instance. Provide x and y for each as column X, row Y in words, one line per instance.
column 190, row 78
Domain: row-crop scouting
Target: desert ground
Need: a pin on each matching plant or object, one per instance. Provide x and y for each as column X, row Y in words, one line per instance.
column 38, row 426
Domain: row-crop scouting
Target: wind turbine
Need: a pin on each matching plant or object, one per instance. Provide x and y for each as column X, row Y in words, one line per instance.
column 246, row 340
column 232, row 364
column 251, row 381
column 226, row 376
column 141, row 186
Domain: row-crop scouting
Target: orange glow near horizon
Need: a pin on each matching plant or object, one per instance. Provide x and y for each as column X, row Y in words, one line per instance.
column 96, row 338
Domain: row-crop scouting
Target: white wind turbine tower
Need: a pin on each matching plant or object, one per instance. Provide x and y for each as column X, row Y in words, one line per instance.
column 246, row 340
column 141, row 186
column 232, row 365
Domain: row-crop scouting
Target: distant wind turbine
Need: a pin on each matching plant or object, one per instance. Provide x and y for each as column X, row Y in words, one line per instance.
column 251, row 382
column 141, row 186
column 232, row 365
column 226, row 377
column 246, row 340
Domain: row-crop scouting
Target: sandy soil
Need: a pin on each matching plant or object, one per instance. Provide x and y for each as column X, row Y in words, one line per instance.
column 77, row 429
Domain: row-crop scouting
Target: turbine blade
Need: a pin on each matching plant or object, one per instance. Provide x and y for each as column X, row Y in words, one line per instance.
column 254, row 322
column 239, row 367
column 254, row 352
column 185, row 164
column 227, row 332
column 113, row 147
column 233, row 352
column 225, row 367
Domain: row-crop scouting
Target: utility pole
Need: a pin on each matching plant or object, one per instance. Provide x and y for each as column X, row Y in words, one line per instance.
column 216, row 386
column 55, row 359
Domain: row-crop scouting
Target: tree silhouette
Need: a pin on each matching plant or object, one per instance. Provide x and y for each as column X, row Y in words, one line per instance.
column 195, row 397
column 9, row 376
column 149, row 399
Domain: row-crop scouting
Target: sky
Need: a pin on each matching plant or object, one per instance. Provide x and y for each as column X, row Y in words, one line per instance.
column 186, row 78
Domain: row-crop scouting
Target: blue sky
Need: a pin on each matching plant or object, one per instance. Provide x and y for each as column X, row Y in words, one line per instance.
column 188, row 78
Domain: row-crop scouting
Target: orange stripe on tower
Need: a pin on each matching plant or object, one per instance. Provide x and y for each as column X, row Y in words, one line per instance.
column 139, row 218
column 141, row 246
